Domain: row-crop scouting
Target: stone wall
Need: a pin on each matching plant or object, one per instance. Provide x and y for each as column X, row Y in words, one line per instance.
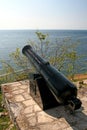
column 27, row 115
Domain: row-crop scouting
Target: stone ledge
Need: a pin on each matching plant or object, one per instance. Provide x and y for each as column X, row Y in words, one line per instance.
column 27, row 115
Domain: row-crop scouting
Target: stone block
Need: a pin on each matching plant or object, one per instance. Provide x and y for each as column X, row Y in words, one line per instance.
column 42, row 117
column 29, row 102
column 19, row 98
column 28, row 110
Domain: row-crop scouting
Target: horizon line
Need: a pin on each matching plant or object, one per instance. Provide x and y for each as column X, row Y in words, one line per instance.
column 39, row 29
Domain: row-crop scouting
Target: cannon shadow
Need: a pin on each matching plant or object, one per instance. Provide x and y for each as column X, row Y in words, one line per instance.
column 77, row 120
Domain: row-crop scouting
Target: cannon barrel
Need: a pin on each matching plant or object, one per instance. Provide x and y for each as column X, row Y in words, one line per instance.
column 63, row 90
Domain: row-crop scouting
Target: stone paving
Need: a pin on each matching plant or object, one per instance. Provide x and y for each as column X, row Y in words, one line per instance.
column 27, row 115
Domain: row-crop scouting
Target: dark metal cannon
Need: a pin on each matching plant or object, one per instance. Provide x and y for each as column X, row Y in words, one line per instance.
column 49, row 87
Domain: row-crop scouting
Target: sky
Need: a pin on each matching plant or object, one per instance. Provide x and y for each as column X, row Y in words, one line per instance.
column 43, row 14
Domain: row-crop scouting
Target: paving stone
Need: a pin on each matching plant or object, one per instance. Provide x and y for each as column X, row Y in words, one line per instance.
column 29, row 102
column 15, row 84
column 22, row 123
column 37, row 108
column 84, row 99
column 30, row 115
column 28, row 110
column 11, row 84
column 15, row 88
column 19, row 98
column 23, row 87
column 18, row 91
column 26, row 96
column 50, row 126
column 32, row 121
column 42, row 117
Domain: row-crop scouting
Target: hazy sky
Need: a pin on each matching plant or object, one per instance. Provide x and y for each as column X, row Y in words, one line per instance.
column 43, row 14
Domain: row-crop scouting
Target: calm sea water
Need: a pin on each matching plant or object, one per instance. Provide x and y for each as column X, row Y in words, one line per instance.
column 12, row 39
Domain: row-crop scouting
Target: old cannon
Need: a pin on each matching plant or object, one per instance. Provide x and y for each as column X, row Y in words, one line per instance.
column 49, row 87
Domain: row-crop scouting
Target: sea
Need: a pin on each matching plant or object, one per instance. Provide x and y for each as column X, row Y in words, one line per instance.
column 12, row 39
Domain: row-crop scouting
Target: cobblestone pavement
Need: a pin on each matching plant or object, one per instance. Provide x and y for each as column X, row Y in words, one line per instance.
column 27, row 115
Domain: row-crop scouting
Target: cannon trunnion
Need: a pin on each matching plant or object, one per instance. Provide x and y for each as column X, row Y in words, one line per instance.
column 49, row 87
